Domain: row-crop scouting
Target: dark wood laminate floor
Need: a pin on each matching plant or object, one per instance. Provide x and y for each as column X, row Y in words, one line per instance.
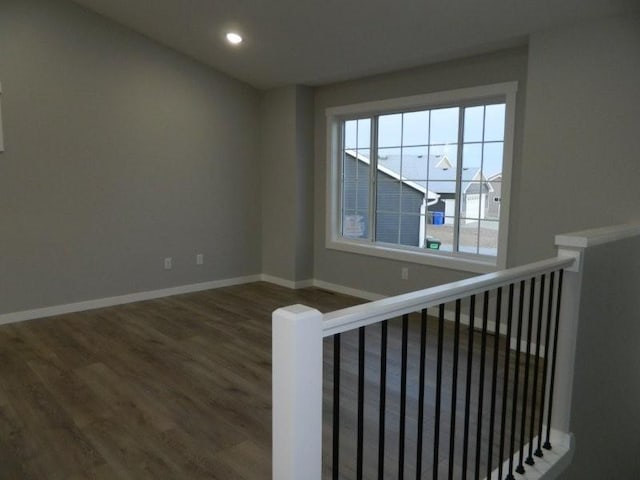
column 180, row 388
column 175, row 388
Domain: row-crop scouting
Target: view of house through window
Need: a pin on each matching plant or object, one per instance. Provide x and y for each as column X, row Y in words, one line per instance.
column 436, row 181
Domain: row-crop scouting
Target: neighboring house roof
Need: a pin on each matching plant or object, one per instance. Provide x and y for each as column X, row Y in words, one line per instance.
column 418, row 186
column 474, row 186
column 444, row 163
column 439, row 171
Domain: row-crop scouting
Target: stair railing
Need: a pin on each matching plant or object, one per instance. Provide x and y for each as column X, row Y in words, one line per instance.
column 493, row 348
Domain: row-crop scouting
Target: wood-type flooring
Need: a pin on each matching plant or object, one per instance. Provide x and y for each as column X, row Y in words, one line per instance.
column 175, row 388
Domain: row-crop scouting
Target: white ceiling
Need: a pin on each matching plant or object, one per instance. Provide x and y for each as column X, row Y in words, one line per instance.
column 314, row 42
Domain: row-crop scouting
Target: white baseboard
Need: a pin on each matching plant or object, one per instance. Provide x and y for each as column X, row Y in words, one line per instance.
column 197, row 287
column 551, row 465
column 334, row 287
column 294, row 285
column 450, row 316
column 122, row 299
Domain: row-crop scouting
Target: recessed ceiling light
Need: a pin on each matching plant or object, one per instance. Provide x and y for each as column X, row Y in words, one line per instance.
column 234, row 38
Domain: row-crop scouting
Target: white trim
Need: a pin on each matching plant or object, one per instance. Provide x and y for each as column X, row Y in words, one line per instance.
column 575, row 253
column 456, row 261
column 354, row 292
column 122, row 299
column 449, row 315
column 428, row 99
column 332, row 224
column 551, row 465
column 597, row 236
column 507, row 168
column 293, row 285
column 422, row 256
column 297, row 393
column 93, row 304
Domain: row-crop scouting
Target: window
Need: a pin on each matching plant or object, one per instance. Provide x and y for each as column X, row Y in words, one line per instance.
column 423, row 178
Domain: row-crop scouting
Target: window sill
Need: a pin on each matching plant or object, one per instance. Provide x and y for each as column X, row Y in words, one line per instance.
column 423, row 257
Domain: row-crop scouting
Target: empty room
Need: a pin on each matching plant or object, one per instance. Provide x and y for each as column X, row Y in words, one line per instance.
column 319, row 240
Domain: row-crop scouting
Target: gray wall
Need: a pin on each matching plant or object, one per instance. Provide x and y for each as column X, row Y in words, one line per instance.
column 606, row 393
column 304, row 162
column 382, row 275
column 576, row 150
column 581, row 162
column 277, row 154
column 119, row 152
column 286, row 153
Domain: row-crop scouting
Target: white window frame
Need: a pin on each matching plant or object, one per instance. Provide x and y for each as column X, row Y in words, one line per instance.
column 453, row 260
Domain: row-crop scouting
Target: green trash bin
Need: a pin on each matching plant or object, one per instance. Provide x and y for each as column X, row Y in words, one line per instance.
column 432, row 243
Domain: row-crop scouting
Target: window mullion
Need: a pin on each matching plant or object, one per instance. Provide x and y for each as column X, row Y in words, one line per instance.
column 373, row 170
column 456, row 220
column 399, row 240
column 341, row 196
column 482, row 180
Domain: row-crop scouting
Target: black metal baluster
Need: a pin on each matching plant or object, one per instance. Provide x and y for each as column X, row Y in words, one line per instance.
column 383, row 398
column 539, row 452
column 505, row 385
column 536, row 368
column 403, row 396
column 454, row 388
column 361, row 352
column 483, row 353
column 423, row 354
column 547, row 443
column 467, row 400
column 336, row 405
column 436, row 428
column 527, row 362
column 516, row 373
column 494, row 381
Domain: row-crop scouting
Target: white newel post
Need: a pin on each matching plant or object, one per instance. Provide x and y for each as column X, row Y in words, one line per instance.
column 297, row 393
column 567, row 336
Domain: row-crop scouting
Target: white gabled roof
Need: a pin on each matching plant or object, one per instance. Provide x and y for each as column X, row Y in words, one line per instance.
column 444, row 163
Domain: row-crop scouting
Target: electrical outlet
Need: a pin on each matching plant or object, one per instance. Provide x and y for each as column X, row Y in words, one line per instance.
column 168, row 263
column 199, row 259
column 404, row 273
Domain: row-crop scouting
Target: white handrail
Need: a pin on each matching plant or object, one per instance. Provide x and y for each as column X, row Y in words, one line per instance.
column 373, row 312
